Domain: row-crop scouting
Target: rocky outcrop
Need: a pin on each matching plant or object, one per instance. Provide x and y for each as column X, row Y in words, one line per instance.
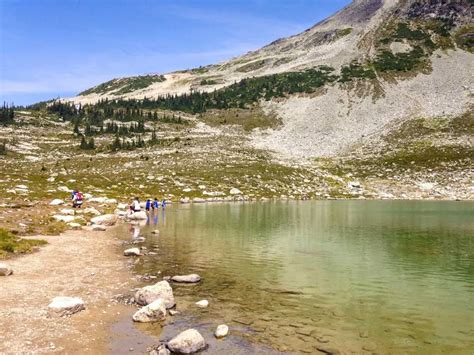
column 155, row 311
column 65, row 306
column 148, row 294
column 56, row 202
column 191, row 278
column 5, row 270
column 105, row 220
column 65, row 219
column 187, row 342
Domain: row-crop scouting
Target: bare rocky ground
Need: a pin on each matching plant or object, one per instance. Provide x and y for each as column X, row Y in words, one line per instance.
column 79, row 264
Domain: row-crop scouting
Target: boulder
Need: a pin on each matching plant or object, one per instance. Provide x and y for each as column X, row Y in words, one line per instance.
column 192, row 278
column 5, row 270
column 235, row 191
column 92, row 210
column 67, row 211
column 153, row 312
column 122, row 206
column 221, row 331
column 161, row 350
column 137, row 216
column 198, row 200
column 105, row 220
column 56, row 202
column 132, row 252
column 64, row 189
column 187, row 342
column 75, row 226
column 185, row 200
column 98, row 228
column 65, row 306
column 202, row 304
column 61, row 218
column 156, row 231
column 148, row 294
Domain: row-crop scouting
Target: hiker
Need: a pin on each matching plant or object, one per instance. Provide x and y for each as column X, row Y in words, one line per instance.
column 163, row 203
column 135, row 207
column 156, row 203
column 77, row 199
column 148, row 205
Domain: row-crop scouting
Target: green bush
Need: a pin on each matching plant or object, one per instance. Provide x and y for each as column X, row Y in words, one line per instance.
column 10, row 244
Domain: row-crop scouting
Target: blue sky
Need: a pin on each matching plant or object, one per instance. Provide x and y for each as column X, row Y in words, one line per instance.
column 51, row 48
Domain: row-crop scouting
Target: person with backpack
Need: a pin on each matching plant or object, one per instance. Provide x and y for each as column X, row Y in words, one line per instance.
column 77, row 199
column 156, row 203
column 148, row 205
column 135, row 207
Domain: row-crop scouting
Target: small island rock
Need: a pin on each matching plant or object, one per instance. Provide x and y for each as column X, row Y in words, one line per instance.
column 192, row 278
column 153, row 312
column 221, row 331
column 148, row 294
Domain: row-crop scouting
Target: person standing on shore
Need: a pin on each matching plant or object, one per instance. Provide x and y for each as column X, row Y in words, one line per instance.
column 135, row 207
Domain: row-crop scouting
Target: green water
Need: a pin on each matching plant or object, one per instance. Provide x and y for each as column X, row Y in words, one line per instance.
column 357, row 276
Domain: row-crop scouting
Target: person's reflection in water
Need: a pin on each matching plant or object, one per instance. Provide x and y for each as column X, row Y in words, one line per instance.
column 136, row 231
column 155, row 218
column 163, row 215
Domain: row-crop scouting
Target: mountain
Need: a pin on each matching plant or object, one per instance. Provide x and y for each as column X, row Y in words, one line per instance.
column 338, row 88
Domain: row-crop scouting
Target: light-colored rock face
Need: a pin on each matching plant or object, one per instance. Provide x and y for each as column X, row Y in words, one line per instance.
column 221, row 331
column 191, row 278
column 137, row 216
column 132, row 252
column 64, row 306
column 92, row 210
column 67, row 211
column 235, row 191
column 155, row 311
column 187, row 342
column 336, row 121
column 148, row 294
column 5, row 270
column 105, row 220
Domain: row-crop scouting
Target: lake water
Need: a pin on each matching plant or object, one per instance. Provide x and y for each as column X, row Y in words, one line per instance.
column 355, row 276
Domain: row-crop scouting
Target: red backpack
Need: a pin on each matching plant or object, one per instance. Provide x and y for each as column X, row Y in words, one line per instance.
column 79, row 196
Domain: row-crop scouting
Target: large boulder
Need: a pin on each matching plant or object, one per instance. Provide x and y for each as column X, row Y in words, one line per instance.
column 235, row 191
column 5, row 270
column 65, row 306
column 153, row 312
column 148, row 294
column 137, row 216
column 105, row 220
column 187, row 342
column 92, row 210
column 68, row 211
column 202, row 303
column 192, row 278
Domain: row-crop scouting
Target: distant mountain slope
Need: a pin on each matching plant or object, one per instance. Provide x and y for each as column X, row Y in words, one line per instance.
column 377, row 62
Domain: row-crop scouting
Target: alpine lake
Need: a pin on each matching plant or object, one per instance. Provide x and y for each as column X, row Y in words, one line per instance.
column 330, row 276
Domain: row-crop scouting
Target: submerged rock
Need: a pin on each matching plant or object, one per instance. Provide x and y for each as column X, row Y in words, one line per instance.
column 187, row 342
column 192, row 278
column 221, row 331
column 132, row 252
column 148, row 294
column 202, row 304
column 105, row 220
column 5, row 270
column 64, row 306
column 153, row 312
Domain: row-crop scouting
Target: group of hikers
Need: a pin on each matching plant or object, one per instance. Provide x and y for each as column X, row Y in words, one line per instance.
column 78, row 198
column 149, row 205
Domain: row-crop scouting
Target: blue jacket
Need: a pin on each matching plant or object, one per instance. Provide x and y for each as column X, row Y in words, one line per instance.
column 148, row 204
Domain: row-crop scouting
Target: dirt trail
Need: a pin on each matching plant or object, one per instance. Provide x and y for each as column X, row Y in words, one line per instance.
column 77, row 263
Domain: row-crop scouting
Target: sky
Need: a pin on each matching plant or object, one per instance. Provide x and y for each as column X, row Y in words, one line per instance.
column 57, row 48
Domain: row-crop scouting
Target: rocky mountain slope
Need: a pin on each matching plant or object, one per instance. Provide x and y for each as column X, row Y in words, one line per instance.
column 390, row 60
